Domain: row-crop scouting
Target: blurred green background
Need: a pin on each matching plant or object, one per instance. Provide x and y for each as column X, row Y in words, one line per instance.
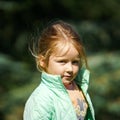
column 98, row 23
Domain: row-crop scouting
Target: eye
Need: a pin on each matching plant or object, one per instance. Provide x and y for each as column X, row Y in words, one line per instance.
column 76, row 62
column 61, row 61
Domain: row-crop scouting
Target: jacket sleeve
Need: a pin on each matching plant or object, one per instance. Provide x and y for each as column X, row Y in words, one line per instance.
column 37, row 110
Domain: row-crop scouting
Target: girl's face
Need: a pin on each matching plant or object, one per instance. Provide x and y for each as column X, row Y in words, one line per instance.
column 66, row 65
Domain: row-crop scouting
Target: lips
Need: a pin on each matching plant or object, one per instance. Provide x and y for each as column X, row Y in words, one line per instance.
column 67, row 76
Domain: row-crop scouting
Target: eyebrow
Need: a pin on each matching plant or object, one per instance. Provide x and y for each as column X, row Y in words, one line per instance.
column 64, row 57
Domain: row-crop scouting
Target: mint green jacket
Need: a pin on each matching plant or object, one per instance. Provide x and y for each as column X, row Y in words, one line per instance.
column 50, row 100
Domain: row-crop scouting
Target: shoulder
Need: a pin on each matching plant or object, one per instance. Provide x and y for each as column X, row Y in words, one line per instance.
column 40, row 95
column 39, row 103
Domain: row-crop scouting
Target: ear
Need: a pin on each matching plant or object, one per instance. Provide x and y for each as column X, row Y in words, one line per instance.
column 41, row 60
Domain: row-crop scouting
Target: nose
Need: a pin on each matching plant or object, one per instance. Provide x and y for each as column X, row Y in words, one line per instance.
column 69, row 67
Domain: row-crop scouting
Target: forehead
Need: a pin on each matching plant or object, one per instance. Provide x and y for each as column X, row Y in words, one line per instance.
column 64, row 50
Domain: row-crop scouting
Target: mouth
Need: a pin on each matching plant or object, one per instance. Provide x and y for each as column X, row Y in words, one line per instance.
column 67, row 77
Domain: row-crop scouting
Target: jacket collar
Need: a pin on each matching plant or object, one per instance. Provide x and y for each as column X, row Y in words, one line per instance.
column 82, row 79
column 54, row 81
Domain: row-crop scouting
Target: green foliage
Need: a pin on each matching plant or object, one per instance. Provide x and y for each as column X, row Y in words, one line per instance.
column 16, row 83
column 105, row 84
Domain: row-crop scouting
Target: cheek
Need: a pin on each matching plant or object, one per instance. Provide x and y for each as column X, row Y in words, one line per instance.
column 54, row 71
column 52, row 68
column 57, row 70
column 76, row 69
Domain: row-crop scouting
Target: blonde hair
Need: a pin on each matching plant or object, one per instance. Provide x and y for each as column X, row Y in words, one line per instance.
column 56, row 37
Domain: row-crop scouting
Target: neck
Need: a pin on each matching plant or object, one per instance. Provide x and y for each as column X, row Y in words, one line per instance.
column 70, row 86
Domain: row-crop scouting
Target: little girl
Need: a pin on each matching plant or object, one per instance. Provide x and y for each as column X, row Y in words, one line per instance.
column 62, row 93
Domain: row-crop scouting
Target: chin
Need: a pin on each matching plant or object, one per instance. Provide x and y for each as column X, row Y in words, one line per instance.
column 66, row 82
